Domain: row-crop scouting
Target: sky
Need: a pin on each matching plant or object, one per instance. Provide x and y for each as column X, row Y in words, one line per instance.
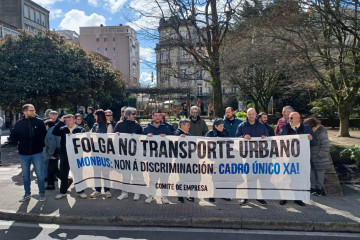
column 72, row 14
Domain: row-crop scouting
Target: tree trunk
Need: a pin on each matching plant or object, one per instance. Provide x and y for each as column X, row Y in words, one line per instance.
column 344, row 113
column 217, row 94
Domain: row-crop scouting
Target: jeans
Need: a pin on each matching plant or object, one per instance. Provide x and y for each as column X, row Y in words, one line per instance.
column 38, row 162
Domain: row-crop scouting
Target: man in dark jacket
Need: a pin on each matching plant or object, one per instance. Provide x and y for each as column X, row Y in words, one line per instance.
column 110, row 123
column 128, row 125
column 231, row 122
column 62, row 129
column 29, row 134
column 295, row 127
column 263, row 118
column 198, row 126
column 156, row 127
column 90, row 119
column 248, row 129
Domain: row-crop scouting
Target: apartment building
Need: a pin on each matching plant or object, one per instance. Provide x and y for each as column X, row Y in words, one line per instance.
column 119, row 44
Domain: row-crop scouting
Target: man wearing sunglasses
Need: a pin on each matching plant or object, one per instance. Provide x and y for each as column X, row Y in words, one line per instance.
column 295, row 127
column 198, row 126
column 110, row 123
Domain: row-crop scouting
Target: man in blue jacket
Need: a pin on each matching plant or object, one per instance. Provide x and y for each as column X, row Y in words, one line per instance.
column 295, row 127
column 156, row 127
column 248, row 129
column 29, row 134
column 231, row 122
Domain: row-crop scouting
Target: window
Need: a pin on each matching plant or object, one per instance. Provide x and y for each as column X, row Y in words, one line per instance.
column 105, row 49
column 26, row 11
column 163, row 55
column 37, row 17
column 199, row 75
column 183, row 54
column 98, row 49
column 120, row 30
column 43, row 20
column 184, row 73
column 114, row 49
column 32, row 13
column 105, row 39
column 113, row 39
column 97, row 39
column 199, row 90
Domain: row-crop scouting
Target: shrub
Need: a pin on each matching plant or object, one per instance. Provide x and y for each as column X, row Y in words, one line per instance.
column 353, row 151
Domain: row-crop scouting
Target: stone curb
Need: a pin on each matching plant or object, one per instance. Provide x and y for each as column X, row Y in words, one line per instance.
column 195, row 222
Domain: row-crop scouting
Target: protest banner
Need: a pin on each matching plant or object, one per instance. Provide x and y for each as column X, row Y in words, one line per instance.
column 270, row 168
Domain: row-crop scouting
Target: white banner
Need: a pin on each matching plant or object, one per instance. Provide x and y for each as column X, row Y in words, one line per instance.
column 270, row 168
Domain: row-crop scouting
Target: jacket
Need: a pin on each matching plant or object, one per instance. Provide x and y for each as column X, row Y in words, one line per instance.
column 320, row 153
column 215, row 133
column 126, row 126
column 303, row 129
column 62, row 130
column 270, row 130
column 282, row 122
column 99, row 128
column 29, row 134
column 257, row 129
column 52, row 144
column 161, row 129
column 232, row 127
column 178, row 132
column 198, row 127
column 90, row 120
column 172, row 129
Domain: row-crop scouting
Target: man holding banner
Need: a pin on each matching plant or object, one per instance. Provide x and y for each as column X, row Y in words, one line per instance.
column 248, row 129
column 295, row 127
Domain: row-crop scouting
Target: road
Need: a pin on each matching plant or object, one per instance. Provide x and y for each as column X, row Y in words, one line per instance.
column 25, row 230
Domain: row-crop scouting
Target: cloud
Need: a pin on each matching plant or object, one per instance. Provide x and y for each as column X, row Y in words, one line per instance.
column 145, row 78
column 76, row 18
column 114, row 5
column 93, row 3
column 56, row 13
column 146, row 54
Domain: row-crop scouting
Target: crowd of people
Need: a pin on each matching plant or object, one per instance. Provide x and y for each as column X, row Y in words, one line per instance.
column 42, row 142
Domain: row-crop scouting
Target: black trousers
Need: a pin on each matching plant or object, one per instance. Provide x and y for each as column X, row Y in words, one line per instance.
column 64, row 174
column 53, row 171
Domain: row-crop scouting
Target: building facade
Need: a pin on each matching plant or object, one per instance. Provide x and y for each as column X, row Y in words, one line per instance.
column 7, row 29
column 24, row 14
column 118, row 43
column 70, row 36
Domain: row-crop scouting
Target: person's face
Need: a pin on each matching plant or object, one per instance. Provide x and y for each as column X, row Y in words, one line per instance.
column 96, row 117
column 264, row 118
column 219, row 127
column 185, row 127
column 157, row 117
column 194, row 113
column 78, row 120
column 251, row 114
column 70, row 122
column 286, row 113
column 132, row 116
column 30, row 112
column 229, row 113
column 109, row 116
column 294, row 119
column 89, row 111
column 53, row 117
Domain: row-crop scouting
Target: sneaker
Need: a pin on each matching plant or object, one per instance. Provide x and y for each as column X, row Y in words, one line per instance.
column 108, row 194
column 95, row 194
column 300, row 203
column 282, row 202
column 149, row 199
column 190, row 199
column 243, row 201
column 25, row 198
column 50, row 187
column 82, row 195
column 123, row 195
column 317, row 192
column 136, row 197
column 42, row 197
column 312, row 191
column 262, row 202
column 165, row 200
column 181, row 199
column 60, row 196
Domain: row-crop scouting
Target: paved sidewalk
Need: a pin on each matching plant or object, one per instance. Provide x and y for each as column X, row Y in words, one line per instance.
column 338, row 214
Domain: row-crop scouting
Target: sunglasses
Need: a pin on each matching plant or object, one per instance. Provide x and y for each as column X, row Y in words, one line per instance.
column 195, row 112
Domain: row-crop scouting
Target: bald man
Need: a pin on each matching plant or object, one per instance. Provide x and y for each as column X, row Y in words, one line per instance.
column 295, row 127
column 248, row 129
